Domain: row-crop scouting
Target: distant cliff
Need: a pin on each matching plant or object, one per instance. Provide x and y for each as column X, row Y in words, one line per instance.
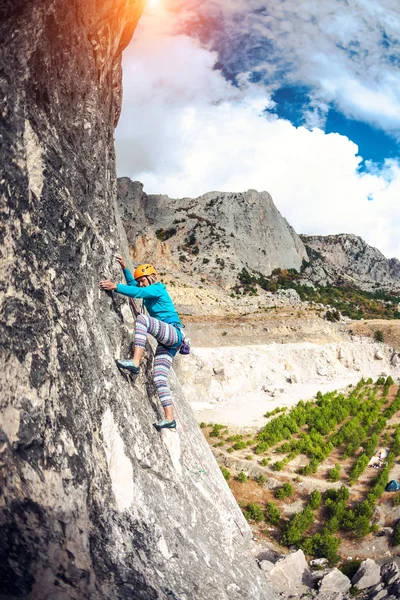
column 94, row 503
column 216, row 234
column 348, row 260
column 219, row 233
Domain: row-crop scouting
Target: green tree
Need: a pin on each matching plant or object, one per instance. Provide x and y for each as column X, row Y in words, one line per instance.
column 242, row 477
column 254, row 512
column 334, row 474
column 378, row 336
column 272, row 514
column 314, row 500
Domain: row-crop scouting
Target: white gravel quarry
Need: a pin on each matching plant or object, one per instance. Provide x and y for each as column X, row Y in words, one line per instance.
column 236, row 386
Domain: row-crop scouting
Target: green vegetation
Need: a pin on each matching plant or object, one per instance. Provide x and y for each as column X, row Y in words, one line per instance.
column 272, row 514
column 226, row 473
column 342, row 299
column 353, row 424
column 284, row 492
column 396, row 535
column 378, row 336
column 334, row 474
column 261, row 479
column 254, row 512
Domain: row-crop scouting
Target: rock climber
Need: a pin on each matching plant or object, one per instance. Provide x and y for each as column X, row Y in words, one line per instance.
column 163, row 323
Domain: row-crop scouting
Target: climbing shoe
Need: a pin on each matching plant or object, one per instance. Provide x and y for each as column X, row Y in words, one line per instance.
column 164, row 424
column 129, row 365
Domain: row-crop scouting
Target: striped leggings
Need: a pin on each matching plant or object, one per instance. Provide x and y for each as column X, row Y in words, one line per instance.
column 166, row 336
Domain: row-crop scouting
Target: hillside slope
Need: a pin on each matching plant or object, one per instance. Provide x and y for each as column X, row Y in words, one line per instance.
column 215, row 235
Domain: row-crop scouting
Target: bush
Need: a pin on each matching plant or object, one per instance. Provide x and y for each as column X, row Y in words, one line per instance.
column 378, row 336
column 261, row 479
column 242, row 477
column 396, row 500
column 297, row 525
column 216, row 430
column 225, row 473
column 278, row 465
column 272, row 514
column 240, row 445
column 396, row 535
column 323, row 545
column 315, row 500
column 334, row 474
column 254, row 512
column 202, row 425
column 284, row 492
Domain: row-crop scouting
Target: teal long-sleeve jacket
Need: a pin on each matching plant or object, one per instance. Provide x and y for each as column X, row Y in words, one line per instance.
column 155, row 298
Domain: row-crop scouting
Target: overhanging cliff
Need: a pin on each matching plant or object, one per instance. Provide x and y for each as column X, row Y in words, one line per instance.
column 95, row 504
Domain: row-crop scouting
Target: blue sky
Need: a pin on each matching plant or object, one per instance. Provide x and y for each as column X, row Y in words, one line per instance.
column 301, row 99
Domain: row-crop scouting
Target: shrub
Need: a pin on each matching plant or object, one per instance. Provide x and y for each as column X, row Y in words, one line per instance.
column 240, row 445
column 285, row 491
column 315, row 500
column 278, row 465
column 334, row 474
column 378, row 336
column 272, row 514
column 297, row 525
column 261, row 479
column 264, row 462
column 254, row 512
column 225, row 473
column 249, row 457
column 396, row 500
column 216, row 430
column 323, row 545
column 242, row 477
column 396, row 535
column 350, row 568
column 202, row 425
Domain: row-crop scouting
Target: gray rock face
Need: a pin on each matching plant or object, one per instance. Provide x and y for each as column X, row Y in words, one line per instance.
column 289, row 574
column 95, row 504
column 350, row 260
column 217, row 234
column 334, row 582
column 368, row 574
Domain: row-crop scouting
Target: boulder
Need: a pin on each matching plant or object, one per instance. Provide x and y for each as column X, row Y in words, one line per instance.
column 288, row 573
column 379, row 355
column 395, row 360
column 368, row 574
column 318, row 562
column 334, row 582
column 266, row 565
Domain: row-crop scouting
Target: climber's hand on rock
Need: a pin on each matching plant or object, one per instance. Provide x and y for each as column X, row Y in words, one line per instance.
column 121, row 261
column 107, row 285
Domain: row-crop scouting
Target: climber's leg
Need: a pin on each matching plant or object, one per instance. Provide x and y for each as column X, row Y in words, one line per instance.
column 162, row 364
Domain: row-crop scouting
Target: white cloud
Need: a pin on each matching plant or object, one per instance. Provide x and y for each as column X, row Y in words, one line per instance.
column 348, row 51
column 185, row 130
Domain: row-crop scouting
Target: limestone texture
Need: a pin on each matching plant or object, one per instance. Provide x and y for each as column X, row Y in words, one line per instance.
column 347, row 259
column 95, row 504
column 368, row 574
column 217, row 234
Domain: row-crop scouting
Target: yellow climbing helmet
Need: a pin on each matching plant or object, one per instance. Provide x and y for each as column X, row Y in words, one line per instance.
column 144, row 270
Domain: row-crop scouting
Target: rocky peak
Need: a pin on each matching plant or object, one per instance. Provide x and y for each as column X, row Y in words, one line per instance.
column 215, row 235
column 350, row 260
